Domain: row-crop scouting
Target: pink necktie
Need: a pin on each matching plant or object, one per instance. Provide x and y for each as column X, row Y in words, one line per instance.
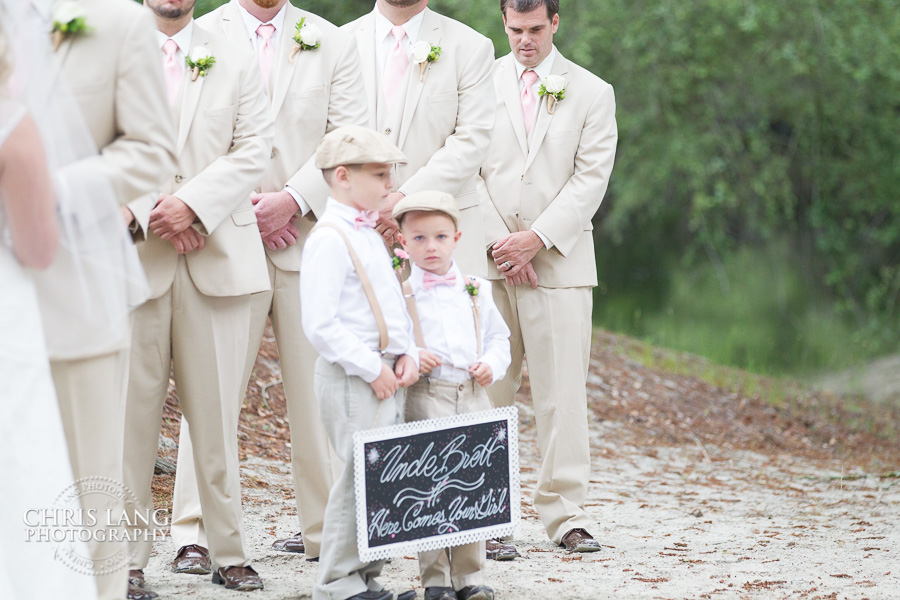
column 266, row 51
column 395, row 67
column 529, row 99
column 429, row 280
column 172, row 70
column 365, row 218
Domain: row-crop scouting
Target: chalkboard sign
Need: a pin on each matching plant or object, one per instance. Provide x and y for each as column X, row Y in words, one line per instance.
column 436, row 483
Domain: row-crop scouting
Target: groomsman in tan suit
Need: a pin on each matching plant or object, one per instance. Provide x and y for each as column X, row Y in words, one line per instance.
column 204, row 259
column 546, row 173
column 438, row 112
column 115, row 76
column 311, row 91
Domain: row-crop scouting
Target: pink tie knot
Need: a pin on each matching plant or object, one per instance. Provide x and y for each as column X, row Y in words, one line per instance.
column 365, row 218
column 170, row 48
column 429, row 280
column 399, row 33
column 529, row 77
column 266, row 31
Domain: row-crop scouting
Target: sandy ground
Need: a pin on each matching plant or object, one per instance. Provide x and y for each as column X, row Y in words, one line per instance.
column 675, row 522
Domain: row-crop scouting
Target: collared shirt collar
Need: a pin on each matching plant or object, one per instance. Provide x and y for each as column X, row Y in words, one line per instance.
column 542, row 70
column 182, row 38
column 252, row 23
column 345, row 212
column 383, row 27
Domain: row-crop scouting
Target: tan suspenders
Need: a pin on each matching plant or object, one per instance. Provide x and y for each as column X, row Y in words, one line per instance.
column 366, row 285
column 417, row 325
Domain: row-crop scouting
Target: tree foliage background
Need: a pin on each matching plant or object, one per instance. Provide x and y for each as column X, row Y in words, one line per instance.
column 753, row 210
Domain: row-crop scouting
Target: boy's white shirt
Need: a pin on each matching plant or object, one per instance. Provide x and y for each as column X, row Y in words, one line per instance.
column 336, row 315
column 448, row 326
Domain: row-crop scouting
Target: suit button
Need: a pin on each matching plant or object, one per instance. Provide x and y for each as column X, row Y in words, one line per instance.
column 274, row 152
column 179, row 178
column 461, row 387
column 387, row 131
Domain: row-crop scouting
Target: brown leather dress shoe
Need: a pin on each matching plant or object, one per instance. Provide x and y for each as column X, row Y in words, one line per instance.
column 497, row 550
column 136, row 585
column 192, row 559
column 241, row 579
column 291, row 544
column 579, row 540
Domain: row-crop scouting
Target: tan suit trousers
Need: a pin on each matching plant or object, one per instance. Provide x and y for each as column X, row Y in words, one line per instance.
column 314, row 464
column 347, row 404
column 552, row 326
column 91, row 394
column 458, row 566
column 205, row 337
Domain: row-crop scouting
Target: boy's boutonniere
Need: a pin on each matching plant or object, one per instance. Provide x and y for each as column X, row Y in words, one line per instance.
column 554, row 87
column 199, row 61
column 307, row 36
column 472, row 287
column 69, row 18
column 399, row 259
column 424, row 53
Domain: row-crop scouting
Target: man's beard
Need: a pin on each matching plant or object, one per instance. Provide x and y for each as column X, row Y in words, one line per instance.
column 172, row 12
column 266, row 3
column 402, row 3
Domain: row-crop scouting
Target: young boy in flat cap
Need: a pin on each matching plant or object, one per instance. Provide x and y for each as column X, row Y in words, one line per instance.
column 466, row 346
column 354, row 315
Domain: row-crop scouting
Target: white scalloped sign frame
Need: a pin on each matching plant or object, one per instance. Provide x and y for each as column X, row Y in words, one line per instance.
column 445, row 489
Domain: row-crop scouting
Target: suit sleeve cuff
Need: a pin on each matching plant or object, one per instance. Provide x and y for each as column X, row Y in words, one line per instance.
column 547, row 243
column 301, row 203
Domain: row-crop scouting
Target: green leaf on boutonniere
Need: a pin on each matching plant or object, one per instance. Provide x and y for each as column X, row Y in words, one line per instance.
column 69, row 18
column 307, row 36
column 554, row 87
column 199, row 61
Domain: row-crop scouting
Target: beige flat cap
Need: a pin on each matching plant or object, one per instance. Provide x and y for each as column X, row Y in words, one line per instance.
column 355, row 145
column 428, row 201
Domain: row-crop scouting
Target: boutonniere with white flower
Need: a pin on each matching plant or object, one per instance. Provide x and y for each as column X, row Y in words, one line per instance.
column 423, row 54
column 199, row 61
column 554, row 87
column 69, row 18
column 308, row 36
column 472, row 286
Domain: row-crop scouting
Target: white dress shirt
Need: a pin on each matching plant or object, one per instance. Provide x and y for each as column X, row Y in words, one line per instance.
column 336, row 314
column 448, row 327
column 384, row 41
column 252, row 24
column 542, row 70
column 182, row 39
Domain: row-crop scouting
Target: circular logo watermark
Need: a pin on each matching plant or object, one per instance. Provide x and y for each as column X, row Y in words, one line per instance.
column 92, row 523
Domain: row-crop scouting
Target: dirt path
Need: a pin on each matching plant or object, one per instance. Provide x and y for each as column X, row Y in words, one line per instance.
column 681, row 512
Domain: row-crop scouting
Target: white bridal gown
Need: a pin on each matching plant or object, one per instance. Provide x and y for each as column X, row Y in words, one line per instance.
column 34, row 460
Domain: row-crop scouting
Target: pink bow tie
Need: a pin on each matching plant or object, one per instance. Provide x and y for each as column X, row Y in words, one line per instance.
column 365, row 218
column 430, row 280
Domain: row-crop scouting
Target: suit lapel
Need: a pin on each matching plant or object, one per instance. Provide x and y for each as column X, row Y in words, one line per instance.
column 233, row 26
column 430, row 32
column 560, row 67
column 283, row 70
column 365, row 39
column 190, row 97
column 509, row 91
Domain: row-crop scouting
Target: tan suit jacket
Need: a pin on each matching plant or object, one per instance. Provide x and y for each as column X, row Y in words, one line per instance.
column 445, row 123
column 124, row 106
column 223, row 144
column 116, row 79
column 320, row 91
column 556, row 183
